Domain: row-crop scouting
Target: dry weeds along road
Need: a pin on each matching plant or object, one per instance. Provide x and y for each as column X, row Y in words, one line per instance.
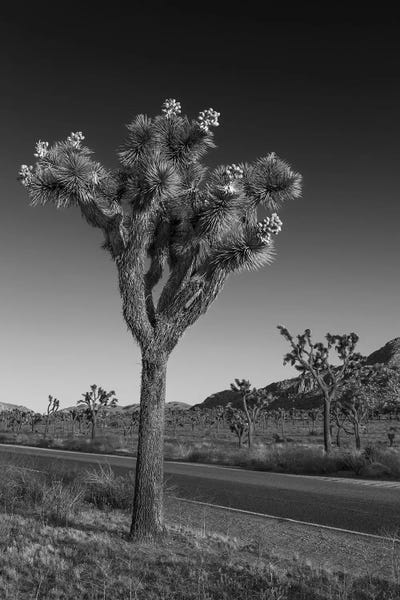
column 365, row 506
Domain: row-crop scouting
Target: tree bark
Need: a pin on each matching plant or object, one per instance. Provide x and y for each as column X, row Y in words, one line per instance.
column 357, row 435
column 327, row 429
column 147, row 517
column 338, row 436
column 250, row 424
column 240, row 436
column 93, row 434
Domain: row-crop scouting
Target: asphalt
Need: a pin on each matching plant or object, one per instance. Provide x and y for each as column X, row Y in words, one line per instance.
column 357, row 505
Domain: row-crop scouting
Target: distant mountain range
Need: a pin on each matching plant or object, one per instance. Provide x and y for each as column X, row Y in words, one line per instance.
column 8, row 406
column 388, row 355
column 134, row 407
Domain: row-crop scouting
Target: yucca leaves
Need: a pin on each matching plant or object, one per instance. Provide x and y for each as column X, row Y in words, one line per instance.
column 66, row 177
column 218, row 215
column 163, row 205
column 77, row 176
column 139, row 141
column 192, row 176
column 160, row 178
column 243, row 251
column 181, row 141
column 271, row 182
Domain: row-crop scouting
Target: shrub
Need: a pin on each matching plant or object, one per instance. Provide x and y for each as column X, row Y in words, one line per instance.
column 390, row 457
column 105, row 489
column 354, row 461
column 20, row 486
column 59, row 502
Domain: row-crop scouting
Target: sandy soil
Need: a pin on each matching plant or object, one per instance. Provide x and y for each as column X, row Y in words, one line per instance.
column 284, row 541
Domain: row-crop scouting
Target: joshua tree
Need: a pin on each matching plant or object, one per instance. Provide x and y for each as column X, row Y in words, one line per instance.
column 34, row 419
column 175, row 418
column 243, row 387
column 194, row 417
column 218, row 416
column 313, row 362
column 282, row 416
column 17, row 418
column 74, row 416
column 52, row 407
column 237, row 422
column 165, row 217
column 358, row 399
column 388, row 382
column 313, row 415
column 126, row 421
column 253, row 402
column 339, row 418
column 95, row 402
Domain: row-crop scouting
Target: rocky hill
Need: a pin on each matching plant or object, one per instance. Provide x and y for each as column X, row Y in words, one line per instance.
column 284, row 390
column 8, row 406
column 389, row 354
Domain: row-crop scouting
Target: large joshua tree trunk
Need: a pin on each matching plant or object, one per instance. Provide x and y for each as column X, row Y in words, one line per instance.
column 147, row 518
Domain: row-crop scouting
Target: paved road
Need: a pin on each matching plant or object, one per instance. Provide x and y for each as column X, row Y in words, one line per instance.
column 367, row 506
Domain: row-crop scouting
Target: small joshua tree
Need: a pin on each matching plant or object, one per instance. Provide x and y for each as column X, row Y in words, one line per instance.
column 358, row 399
column 34, row 419
column 313, row 415
column 243, row 387
column 52, row 407
column 218, row 416
column 164, row 214
column 253, row 402
column 388, row 380
column 17, row 418
column 74, row 416
column 237, row 422
column 95, row 402
column 313, row 362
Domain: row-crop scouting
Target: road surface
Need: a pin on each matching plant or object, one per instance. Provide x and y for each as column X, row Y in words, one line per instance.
column 366, row 506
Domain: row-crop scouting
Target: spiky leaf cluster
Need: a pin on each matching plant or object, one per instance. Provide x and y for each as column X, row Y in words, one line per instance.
column 64, row 174
column 242, row 386
column 163, row 206
column 271, row 182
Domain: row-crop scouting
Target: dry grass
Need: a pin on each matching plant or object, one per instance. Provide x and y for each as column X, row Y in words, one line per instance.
column 96, row 561
column 287, row 458
column 61, row 538
column 56, row 492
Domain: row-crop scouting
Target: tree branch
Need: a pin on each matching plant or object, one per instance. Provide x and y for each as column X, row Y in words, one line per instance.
column 131, row 271
column 193, row 301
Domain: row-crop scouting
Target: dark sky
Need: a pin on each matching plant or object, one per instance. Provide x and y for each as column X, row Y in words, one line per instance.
column 322, row 90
